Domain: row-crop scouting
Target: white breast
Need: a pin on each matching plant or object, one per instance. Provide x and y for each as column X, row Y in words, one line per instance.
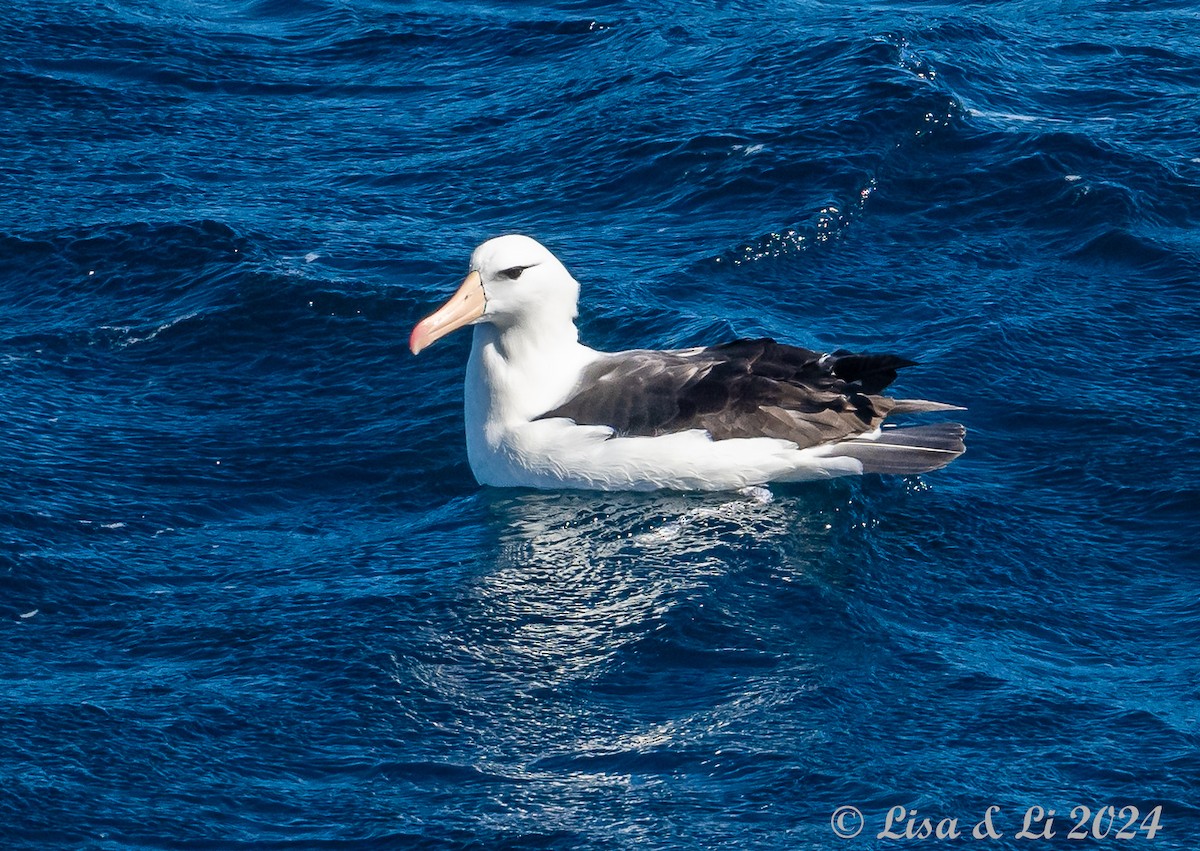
column 507, row 388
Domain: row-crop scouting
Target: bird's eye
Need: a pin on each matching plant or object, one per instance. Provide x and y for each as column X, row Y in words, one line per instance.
column 513, row 273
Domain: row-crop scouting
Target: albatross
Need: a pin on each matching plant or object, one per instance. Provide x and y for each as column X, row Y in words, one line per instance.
column 543, row 410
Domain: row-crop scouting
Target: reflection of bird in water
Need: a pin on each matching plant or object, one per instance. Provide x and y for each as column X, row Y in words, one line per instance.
column 581, row 577
column 543, row 410
column 581, row 604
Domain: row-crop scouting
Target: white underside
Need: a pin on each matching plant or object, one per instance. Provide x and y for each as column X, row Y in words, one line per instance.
column 557, row 453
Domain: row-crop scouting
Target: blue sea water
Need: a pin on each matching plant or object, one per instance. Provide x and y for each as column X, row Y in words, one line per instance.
column 251, row 596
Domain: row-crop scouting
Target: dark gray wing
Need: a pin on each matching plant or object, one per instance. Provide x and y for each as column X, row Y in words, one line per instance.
column 747, row 388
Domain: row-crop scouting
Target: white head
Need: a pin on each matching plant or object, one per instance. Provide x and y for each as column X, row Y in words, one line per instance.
column 513, row 282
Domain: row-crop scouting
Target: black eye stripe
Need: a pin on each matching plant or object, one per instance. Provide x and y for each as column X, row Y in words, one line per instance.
column 515, row 272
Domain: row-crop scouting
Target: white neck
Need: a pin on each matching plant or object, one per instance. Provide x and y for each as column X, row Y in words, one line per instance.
column 518, row 372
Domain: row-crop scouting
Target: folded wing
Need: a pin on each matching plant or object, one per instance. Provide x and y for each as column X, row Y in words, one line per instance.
column 760, row 388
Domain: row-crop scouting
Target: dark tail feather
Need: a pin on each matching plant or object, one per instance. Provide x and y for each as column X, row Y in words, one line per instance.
column 871, row 372
column 905, row 451
column 920, row 406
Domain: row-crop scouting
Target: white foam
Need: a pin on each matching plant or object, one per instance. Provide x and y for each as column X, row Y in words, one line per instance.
column 757, row 493
column 163, row 327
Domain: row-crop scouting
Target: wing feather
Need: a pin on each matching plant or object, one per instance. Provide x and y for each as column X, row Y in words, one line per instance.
column 746, row 388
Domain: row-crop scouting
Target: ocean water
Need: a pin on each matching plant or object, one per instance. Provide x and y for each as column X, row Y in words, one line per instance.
column 251, row 596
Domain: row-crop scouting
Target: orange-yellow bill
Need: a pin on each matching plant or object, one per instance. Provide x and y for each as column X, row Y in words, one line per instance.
column 463, row 308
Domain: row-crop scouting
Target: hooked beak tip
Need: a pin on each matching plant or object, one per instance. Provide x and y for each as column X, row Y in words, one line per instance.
column 464, row 307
